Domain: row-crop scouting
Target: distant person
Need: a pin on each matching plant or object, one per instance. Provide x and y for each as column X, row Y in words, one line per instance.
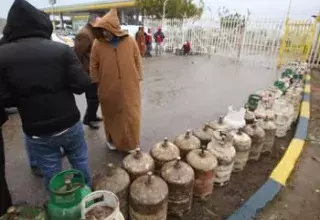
column 149, row 43
column 159, row 38
column 82, row 47
column 186, row 49
column 41, row 76
column 141, row 41
column 116, row 67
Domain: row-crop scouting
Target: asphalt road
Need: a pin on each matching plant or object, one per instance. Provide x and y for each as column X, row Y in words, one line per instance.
column 179, row 93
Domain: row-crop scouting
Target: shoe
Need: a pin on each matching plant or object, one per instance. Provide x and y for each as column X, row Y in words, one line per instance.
column 91, row 125
column 111, row 146
column 97, row 119
column 36, row 171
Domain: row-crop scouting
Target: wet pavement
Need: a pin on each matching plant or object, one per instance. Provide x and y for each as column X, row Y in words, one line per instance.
column 178, row 93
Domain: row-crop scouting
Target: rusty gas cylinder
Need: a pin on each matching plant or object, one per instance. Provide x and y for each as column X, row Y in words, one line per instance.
column 138, row 164
column 219, row 125
column 117, row 181
column 257, row 135
column 164, row 152
column 222, row 148
column 204, row 134
column 180, row 179
column 186, row 143
column 249, row 117
column 148, row 198
column 242, row 144
column 204, row 164
column 270, row 129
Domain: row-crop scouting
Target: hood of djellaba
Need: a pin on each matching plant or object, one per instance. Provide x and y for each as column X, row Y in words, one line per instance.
column 24, row 21
column 111, row 23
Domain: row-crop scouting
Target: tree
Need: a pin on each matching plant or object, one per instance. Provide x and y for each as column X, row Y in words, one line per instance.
column 174, row 8
column 232, row 20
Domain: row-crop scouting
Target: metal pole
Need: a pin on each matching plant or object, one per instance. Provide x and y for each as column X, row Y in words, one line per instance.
column 164, row 11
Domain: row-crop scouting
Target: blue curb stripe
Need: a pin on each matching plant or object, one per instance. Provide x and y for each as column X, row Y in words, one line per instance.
column 306, row 97
column 257, row 201
column 302, row 128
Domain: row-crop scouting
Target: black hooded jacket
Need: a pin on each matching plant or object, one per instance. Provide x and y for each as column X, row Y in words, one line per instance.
column 39, row 74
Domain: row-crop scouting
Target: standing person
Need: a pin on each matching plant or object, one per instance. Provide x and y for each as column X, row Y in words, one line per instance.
column 141, row 41
column 159, row 38
column 83, row 43
column 5, row 198
column 41, row 76
column 116, row 66
column 149, row 43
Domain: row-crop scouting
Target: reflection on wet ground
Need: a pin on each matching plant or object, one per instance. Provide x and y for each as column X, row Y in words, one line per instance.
column 178, row 93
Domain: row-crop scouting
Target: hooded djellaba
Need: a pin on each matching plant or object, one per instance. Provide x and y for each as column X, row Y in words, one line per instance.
column 115, row 65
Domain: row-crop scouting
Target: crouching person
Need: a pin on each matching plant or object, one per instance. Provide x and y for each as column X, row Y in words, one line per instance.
column 42, row 75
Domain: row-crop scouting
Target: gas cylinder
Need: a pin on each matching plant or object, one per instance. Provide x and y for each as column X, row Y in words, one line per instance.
column 260, row 112
column 284, row 112
column 204, row 134
column 117, row 181
column 148, row 198
column 204, row 165
column 24, row 212
column 138, row 164
column 101, row 205
column 219, row 125
column 180, row 179
column 242, row 144
column 249, row 116
column 164, row 152
column 257, row 135
column 186, row 143
column 221, row 147
column 270, row 133
column 67, row 189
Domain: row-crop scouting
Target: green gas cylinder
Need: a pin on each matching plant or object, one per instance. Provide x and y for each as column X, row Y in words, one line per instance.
column 287, row 73
column 253, row 102
column 280, row 85
column 67, row 189
column 24, row 212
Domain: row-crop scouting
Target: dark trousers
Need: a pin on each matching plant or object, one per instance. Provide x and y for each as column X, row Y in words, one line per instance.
column 148, row 51
column 92, row 103
column 5, row 198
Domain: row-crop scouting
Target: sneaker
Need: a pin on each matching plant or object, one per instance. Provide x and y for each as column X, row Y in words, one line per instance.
column 111, row 146
column 36, row 171
column 97, row 119
column 91, row 125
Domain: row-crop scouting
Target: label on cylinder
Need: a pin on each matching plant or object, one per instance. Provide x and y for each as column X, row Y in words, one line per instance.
column 223, row 173
column 241, row 160
column 203, row 183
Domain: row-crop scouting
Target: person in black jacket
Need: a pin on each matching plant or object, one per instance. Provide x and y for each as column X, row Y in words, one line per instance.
column 5, row 198
column 41, row 76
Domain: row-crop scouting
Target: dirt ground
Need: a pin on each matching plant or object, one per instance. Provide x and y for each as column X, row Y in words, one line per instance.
column 178, row 93
column 301, row 198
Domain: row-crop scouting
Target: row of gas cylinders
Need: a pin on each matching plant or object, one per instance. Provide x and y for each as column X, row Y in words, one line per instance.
column 165, row 181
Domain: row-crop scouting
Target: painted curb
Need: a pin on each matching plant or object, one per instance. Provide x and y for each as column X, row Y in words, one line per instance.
column 279, row 176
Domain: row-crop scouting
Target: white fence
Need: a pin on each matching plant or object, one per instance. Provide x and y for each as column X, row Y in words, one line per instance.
column 254, row 41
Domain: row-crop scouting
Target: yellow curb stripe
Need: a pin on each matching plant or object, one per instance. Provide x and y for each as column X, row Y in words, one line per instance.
column 282, row 171
column 307, row 88
column 308, row 77
column 305, row 109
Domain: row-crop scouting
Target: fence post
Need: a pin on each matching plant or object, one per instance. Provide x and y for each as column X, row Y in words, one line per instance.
column 283, row 43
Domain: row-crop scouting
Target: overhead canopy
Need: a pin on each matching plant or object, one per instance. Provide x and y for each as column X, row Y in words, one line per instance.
column 91, row 5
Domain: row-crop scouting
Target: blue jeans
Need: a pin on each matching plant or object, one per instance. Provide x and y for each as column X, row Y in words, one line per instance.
column 46, row 150
column 31, row 158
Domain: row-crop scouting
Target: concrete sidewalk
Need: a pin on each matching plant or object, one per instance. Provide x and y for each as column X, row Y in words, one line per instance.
column 300, row 198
